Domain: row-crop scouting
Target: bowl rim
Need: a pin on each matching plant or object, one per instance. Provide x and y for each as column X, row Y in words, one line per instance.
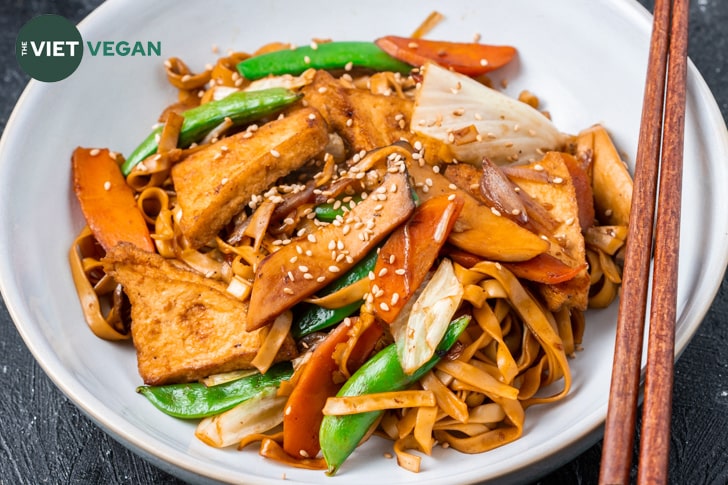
column 175, row 461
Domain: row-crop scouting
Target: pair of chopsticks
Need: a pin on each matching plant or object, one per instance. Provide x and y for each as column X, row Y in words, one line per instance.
column 660, row 147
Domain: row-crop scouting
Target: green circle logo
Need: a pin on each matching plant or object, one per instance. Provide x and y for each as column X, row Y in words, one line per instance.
column 49, row 48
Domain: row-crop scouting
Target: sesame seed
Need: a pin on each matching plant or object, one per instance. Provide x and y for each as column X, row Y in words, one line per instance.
column 311, row 238
column 288, row 221
column 334, row 269
column 331, row 245
column 349, row 66
column 395, row 298
column 384, row 306
column 307, row 276
column 312, row 116
column 382, row 272
column 322, row 89
column 309, row 253
column 321, row 279
column 451, row 197
column 275, row 153
column 299, row 250
column 400, row 272
column 94, row 152
column 484, row 62
column 558, row 180
column 290, row 276
column 371, row 276
column 391, row 259
column 538, row 167
column 107, row 185
column 288, row 291
column 293, row 260
column 498, row 266
column 288, row 410
column 307, row 59
column 303, row 269
column 346, row 229
column 495, row 211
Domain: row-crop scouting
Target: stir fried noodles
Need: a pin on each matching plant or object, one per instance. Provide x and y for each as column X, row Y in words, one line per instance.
column 323, row 243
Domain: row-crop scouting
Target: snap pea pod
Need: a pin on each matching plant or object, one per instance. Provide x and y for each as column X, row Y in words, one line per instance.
column 240, row 107
column 327, row 212
column 340, row 435
column 312, row 318
column 196, row 400
column 328, row 55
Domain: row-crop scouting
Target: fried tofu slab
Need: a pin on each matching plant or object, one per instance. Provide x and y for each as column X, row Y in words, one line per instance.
column 559, row 195
column 364, row 120
column 185, row 326
column 215, row 183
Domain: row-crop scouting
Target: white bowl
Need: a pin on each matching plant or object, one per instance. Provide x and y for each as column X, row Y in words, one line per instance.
column 585, row 60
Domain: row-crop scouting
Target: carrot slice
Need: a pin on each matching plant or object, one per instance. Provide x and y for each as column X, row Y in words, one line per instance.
column 409, row 253
column 467, row 58
column 542, row 268
column 584, row 193
column 304, row 410
column 107, row 202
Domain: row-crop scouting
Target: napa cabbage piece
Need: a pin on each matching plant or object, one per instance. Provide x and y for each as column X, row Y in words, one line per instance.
column 256, row 415
column 418, row 335
column 477, row 121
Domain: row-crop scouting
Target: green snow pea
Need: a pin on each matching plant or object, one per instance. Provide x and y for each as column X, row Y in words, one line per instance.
column 241, row 107
column 340, row 435
column 196, row 400
column 328, row 55
column 310, row 318
column 328, row 212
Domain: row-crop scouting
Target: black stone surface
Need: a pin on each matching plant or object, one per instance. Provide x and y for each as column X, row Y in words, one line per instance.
column 45, row 439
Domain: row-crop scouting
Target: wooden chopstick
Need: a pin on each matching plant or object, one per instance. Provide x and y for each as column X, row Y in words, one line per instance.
column 657, row 405
column 669, row 34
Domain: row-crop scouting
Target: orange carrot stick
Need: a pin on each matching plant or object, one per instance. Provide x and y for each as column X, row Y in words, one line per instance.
column 304, row 410
column 107, row 202
column 467, row 58
column 409, row 253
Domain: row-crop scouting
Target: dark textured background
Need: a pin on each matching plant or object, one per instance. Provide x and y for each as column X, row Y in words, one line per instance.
column 44, row 438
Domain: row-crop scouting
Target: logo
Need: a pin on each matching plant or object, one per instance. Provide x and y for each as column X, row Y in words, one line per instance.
column 49, row 48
